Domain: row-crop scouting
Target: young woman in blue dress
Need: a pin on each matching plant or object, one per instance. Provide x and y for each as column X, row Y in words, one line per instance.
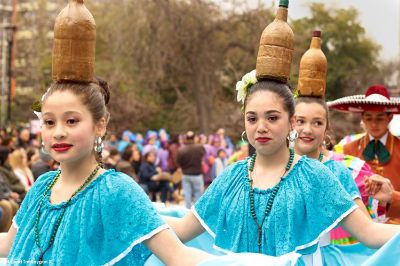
column 83, row 214
column 275, row 202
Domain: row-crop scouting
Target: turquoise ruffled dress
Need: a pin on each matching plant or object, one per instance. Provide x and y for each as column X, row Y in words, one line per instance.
column 105, row 224
column 344, row 255
column 306, row 207
column 345, row 178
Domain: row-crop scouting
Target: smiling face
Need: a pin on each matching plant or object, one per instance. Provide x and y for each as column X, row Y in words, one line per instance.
column 376, row 123
column 311, row 124
column 68, row 129
column 267, row 122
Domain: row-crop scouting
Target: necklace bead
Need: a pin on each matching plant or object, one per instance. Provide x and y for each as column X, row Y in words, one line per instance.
column 321, row 156
column 271, row 198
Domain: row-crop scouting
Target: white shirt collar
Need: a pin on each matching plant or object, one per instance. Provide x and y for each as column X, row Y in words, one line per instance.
column 383, row 139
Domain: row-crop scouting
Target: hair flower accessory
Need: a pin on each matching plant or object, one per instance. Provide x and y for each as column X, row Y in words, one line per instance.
column 242, row 86
column 37, row 106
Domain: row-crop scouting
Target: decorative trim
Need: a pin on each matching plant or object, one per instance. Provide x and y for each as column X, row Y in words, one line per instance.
column 202, row 222
column 15, row 223
column 356, row 197
column 357, row 99
column 217, row 248
column 138, row 241
column 333, row 225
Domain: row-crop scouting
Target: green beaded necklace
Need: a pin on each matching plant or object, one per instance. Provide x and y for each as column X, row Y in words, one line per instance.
column 321, row 156
column 270, row 199
column 58, row 222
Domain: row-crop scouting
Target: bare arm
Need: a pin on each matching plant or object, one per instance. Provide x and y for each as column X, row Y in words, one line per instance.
column 371, row 234
column 362, row 207
column 172, row 252
column 6, row 240
column 186, row 228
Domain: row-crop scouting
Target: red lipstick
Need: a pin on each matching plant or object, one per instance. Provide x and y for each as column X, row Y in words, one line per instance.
column 263, row 140
column 61, row 147
column 307, row 139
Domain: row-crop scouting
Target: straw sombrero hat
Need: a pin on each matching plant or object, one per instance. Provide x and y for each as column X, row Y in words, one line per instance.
column 376, row 99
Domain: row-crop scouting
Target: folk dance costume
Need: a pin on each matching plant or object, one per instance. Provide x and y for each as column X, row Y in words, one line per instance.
column 306, row 206
column 107, row 219
column 381, row 155
column 105, row 223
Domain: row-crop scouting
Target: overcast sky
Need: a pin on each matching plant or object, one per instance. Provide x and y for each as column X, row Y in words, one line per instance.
column 380, row 18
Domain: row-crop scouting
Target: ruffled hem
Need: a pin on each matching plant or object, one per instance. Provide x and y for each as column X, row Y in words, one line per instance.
column 328, row 229
column 138, row 241
column 313, row 242
column 202, row 222
column 15, row 223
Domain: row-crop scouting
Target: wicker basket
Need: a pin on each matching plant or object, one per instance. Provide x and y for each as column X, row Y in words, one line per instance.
column 276, row 49
column 74, row 44
column 313, row 69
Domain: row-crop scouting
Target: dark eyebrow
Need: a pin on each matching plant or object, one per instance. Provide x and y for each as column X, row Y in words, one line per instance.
column 266, row 113
column 272, row 112
column 66, row 113
column 250, row 113
column 72, row 113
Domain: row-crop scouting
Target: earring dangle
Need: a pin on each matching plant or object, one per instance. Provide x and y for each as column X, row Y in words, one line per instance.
column 43, row 149
column 293, row 135
column 98, row 145
column 243, row 133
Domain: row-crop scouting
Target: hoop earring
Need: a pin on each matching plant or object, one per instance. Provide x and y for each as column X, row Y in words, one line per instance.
column 43, row 149
column 244, row 133
column 98, row 145
column 327, row 142
column 293, row 135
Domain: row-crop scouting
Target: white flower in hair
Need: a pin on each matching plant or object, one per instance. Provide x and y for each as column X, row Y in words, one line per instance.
column 242, row 86
column 37, row 107
column 250, row 78
column 39, row 116
column 241, row 93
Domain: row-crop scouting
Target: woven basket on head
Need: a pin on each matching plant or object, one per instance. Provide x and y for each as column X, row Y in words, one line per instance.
column 313, row 69
column 74, row 44
column 276, row 48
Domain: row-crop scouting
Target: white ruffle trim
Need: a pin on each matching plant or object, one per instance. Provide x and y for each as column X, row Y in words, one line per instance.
column 138, row 241
column 315, row 241
column 356, row 197
column 15, row 223
column 202, row 222
column 328, row 229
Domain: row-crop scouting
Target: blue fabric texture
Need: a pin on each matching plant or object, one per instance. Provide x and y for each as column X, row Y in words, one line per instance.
column 203, row 241
column 346, row 255
column 345, row 177
column 105, row 223
column 306, row 206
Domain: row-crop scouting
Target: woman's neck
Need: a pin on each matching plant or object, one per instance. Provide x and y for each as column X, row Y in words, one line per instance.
column 311, row 154
column 76, row 172
column 276, row 159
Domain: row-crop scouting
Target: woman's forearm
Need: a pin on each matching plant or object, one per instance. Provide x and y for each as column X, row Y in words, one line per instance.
column 6, row 241
column 362, row 207
column 379, row 234
column 185, row 228
column 190, row 256
column 371, row 234
column 172, row 252
column 3, row 251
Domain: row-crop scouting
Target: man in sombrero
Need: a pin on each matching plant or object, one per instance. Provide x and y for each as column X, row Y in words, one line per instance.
column 378, row 147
